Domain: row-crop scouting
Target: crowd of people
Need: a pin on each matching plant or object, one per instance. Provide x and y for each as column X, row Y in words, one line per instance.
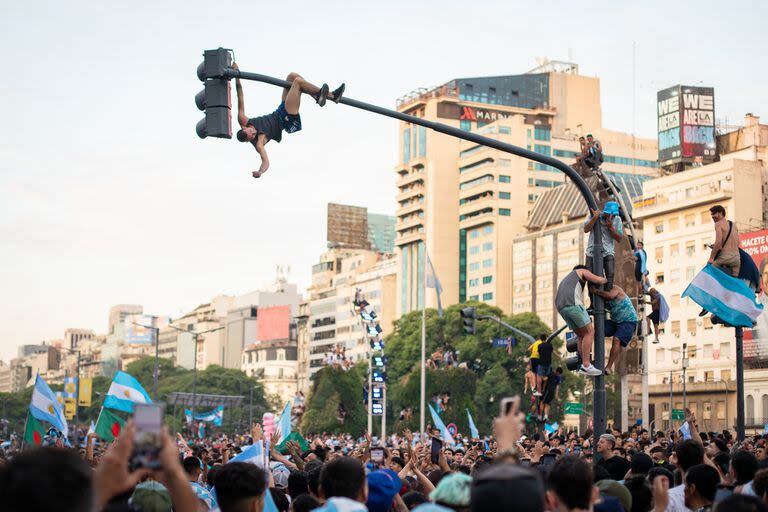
column 635, row 471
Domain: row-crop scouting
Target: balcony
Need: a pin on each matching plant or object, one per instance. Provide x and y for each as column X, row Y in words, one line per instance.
column 408, row 238
column 413, row 177
column 414, row 191
column 409, row 223
column 478, row 204
column 409, row 208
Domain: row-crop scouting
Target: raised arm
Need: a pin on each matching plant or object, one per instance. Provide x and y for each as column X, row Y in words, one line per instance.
column 591, row 222
column 241, row 117
column 592, row 278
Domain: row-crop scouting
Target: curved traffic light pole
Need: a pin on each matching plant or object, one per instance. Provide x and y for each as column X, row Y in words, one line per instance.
column 599, row 420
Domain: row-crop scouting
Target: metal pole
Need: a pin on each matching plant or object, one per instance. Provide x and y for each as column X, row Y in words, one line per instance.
column 384, row 414
column 581, row 185
column 423, row 383
column 644, row 399
column 77, row 398
column 684, row 362
column 671, row 398
column 250, row 408
column 370, row 396
column 520, row 333
column 739, row 384
column 157, row 359
column 194, row 380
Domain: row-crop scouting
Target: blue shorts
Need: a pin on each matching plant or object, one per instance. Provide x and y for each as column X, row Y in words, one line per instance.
column 291, row 123
column 543, row 370
column 622, row 331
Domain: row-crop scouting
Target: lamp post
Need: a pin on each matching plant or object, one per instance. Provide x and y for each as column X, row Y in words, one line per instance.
column 195, row 335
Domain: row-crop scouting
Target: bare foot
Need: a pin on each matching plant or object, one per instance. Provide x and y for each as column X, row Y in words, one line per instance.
column 257, row 174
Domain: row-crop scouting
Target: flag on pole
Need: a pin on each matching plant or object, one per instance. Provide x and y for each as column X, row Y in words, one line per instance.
column 45, row 407
column 472, row 428
column 92, row 428
column 551, row 428
column 34, row 432
column 70, row 388
column 284, row 423
column 434, row 282
column 726, row 297
column 125, row 391
column 254, row 454
column 214, row 417
column 108, row 425
column 447, row 437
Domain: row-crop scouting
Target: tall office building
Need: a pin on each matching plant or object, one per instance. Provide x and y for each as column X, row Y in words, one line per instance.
column 467, row 202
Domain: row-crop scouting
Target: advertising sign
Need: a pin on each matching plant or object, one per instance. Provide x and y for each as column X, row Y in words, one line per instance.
column 755, row 244
column 686, row 124
column 139, row 328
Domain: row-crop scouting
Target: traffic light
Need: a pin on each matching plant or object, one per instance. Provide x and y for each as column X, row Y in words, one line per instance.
column 468, row 317
column 215, row 99
column 572, row 362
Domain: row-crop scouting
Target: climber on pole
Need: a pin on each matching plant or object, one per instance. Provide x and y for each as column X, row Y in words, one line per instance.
column 260, row 130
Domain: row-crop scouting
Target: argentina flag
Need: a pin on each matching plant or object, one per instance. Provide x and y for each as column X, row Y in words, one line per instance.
column 724, row 296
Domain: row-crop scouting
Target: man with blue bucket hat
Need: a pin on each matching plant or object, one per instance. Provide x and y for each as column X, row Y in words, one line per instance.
column 612, row 233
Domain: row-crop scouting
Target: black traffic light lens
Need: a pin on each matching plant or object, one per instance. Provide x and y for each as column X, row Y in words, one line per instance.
column 573, row 363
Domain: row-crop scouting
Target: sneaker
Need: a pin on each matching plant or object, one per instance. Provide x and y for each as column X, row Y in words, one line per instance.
column 536, row 393
column 323, row 95
column 338, row 92
column 656, row 341
column 590, row 370
column 546, row 419
column 703, row 312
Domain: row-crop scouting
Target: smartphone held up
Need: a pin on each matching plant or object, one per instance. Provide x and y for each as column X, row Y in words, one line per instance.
column 147, row 440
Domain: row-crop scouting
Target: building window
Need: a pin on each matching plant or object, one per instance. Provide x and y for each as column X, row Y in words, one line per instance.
column 659, row 227
column 532, row 197
column 474, row 297
column 691, row 327
column 673, row 224
column 474, row 282
column 676, row 328
column 487, row 230
column 503, row 178
column 706, row 217
column 474, row 233
column 487, row 279
column 406, row 145
column 487, row 263
column 505, row 195
column 488, row 296
column 689, row 272
column 487, row 246
column 660, row 355
column 422, row 141
column 690, row 248
column 475, row 249
column 542, row 149
column 674, row 275
column 707, row 351
column 674, row 250
column 505, row 130
column 541, row 133
column 690, row 220
column 463, row 262
column 474, row 266
column 659, row 254
column 504, row 162
column 726, row 375
column 660, row 278
column 725, row 350
column 504, row 211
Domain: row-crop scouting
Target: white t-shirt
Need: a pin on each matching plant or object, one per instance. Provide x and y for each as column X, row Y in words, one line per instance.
column 677, row 500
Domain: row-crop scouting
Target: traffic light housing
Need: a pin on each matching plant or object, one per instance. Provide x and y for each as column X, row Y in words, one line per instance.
column 573, row 361
column 216, row 98
column 468, row 317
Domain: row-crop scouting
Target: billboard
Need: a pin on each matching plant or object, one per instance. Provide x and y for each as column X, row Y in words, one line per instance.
column 686, row 124
column 755, row 244
column 137, row 328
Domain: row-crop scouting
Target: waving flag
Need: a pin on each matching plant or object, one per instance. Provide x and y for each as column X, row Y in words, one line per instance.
column 34, row 431
column 108, row 425
column 45, row 407
column 434, row 282
column 447, row 437
column 254, row 454
column 551, row 428
column 124, row 392
column 726, row 297
column 214, row 417
column 472, row 428
column 204, row 495
column 284, row 423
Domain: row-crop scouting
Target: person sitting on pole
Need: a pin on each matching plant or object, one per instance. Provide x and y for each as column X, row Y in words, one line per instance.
column 260, row 130
column 611, row 234
column 622, row 324
column 570, row 304
column 594, row 152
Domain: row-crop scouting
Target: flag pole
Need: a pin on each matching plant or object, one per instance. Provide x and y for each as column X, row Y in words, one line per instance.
column 423, row 344
column 26, row 420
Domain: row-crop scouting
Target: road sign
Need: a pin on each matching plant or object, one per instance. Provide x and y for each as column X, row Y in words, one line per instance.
column 678, row 414
column 574, row 408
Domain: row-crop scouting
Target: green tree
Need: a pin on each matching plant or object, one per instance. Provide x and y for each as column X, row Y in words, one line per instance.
column 331, row 388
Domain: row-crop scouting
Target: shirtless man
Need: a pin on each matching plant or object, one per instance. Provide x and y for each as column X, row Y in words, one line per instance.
column 725, row 250
column 260, row 130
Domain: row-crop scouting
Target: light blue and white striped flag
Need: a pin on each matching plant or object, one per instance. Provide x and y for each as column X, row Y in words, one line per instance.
column 551, row 428
column 447, row 437
column 724, row 296
column 45, row 407
column 472, row 428
column 434, row 282
column 125, row 391
column 284, row 423
column 254, row 454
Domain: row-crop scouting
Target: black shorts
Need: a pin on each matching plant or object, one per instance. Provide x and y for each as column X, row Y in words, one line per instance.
column 548, row 396
column 654, row 316
column 638, row 275
column 534, row 364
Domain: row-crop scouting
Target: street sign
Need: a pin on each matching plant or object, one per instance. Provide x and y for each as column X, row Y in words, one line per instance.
column 574, row 408
column 678, row 414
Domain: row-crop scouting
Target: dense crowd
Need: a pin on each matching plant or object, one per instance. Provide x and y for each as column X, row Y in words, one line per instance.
column 634, row 471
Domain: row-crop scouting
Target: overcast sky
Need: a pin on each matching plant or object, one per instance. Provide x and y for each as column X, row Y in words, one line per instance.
column 107, row 195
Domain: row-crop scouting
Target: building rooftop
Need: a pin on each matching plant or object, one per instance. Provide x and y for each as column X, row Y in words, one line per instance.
column 565, row 202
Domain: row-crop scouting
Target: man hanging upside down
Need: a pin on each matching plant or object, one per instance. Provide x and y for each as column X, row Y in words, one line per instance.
column 260, row 130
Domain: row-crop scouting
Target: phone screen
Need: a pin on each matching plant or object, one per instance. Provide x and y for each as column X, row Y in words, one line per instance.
column 377, row 454
column 548, row 459
column 148, row 419
column 437, row 445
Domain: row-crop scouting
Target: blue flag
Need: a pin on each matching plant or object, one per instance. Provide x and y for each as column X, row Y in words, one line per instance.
column 472, row 428
column 45, row 407
column 125, row 391
column 727, row 297
column 284, row 423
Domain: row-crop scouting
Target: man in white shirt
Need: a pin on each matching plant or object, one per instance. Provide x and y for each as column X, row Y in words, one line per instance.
column 689, row 453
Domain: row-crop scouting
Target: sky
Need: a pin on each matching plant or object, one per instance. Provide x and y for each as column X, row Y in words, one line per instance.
column 107, row 196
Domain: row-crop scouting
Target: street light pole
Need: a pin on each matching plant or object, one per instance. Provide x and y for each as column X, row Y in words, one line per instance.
column 739, row 384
